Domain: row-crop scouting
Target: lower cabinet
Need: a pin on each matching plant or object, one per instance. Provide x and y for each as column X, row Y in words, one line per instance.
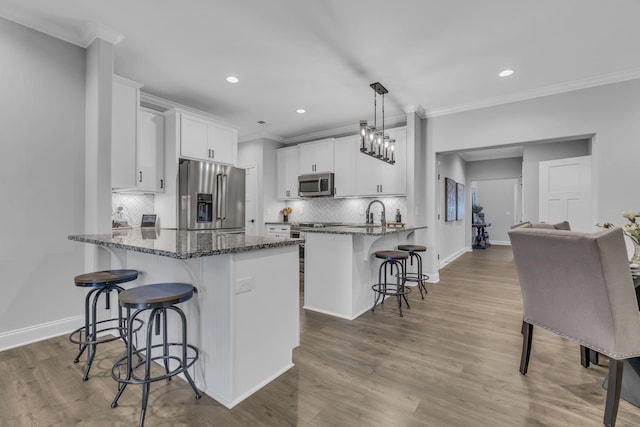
column 278, row 230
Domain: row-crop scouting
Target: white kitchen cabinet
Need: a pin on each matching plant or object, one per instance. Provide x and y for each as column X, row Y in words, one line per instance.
column 346, row 150
column 378, row 178
column 150, row 151
column 278, row 230
column 316, row 156
column 124, row 132
column 201, row 138
column 288, row 170
column 137, row 141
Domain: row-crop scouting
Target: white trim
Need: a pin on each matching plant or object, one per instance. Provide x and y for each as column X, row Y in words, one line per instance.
column 234, row 402
column 500, row 242
column 93, row 30
column 454, row 256
column 586, row 83
column 35, row 333
column 43, row 26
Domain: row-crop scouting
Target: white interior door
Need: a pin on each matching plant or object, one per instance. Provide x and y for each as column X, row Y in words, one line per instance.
column 565, row 192
column 250, row 207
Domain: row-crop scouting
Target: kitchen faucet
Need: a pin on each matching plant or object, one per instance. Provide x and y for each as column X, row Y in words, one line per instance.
column 383, row 215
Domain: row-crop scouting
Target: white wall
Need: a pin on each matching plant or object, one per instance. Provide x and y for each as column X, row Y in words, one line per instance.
column 534, row 154
column 262, row 153
column 609, row 113
column 42, row 113
column 452, row 236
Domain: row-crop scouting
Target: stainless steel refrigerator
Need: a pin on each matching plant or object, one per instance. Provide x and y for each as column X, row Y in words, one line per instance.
column 210, row 196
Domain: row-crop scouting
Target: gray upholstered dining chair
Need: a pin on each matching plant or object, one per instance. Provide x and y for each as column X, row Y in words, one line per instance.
column 587, row 355
column 579, row 286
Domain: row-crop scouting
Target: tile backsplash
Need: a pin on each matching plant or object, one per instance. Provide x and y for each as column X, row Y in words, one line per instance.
column 135, row 205
column 328, row 209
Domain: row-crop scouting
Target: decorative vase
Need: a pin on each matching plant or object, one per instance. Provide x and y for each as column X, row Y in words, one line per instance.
column 636, row 252
column 285, row 218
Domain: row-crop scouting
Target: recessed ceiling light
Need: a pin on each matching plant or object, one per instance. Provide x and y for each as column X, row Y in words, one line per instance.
column 505, row 73
column 301, row 111
column 232, row 79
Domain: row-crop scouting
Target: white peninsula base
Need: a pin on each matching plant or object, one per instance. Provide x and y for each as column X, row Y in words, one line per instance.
column 244, row 318
column 340, row 267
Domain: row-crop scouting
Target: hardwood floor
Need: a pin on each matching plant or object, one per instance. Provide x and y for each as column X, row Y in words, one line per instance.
column 451, row 361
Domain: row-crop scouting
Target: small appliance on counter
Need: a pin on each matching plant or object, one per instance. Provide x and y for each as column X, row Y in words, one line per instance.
column 211, row 196
column 120, row 219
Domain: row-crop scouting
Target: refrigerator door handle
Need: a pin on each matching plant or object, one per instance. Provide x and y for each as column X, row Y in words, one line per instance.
column 225, row 196
column 219, row 186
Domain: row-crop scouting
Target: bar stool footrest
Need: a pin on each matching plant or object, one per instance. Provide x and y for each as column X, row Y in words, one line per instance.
column 100, row 340
column 119, row 371
column 391, row 289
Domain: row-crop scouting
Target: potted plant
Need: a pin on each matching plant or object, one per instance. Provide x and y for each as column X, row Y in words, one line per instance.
column 477, row 218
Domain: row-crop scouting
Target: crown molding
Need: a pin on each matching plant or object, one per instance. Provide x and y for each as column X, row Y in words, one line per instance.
column 261, row 134
column 352, row 129
column 43, row 26
column 161, row 104
column 541, row 92
column 416, row 109
column 93, row 30
column 80, row 37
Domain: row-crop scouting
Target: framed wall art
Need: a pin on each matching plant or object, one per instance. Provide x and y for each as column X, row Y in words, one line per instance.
column 459, row 201
column 450, row 199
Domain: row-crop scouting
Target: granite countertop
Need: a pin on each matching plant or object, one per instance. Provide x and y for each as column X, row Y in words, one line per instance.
column 183, row 244
column 368, row 230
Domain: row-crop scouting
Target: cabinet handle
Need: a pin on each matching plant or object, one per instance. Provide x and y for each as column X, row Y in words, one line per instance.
column 381, row 188
column 213, row 153
column 140, row 176
column 162, row 183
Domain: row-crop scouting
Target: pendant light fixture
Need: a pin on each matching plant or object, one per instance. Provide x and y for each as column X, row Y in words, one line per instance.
column 373, row 141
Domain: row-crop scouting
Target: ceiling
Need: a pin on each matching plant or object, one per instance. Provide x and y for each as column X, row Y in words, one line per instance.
column 434, row 56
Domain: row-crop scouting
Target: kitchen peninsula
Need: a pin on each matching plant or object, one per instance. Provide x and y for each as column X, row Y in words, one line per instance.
column 244, row 317
column 340, row 267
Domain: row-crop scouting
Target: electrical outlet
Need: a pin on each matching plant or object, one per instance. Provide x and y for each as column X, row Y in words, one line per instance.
column 244, row 285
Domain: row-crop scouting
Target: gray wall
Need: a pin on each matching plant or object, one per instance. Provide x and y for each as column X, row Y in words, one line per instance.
column 452, row 235
column 536, row 153
column 42, row 108
column 608, row 113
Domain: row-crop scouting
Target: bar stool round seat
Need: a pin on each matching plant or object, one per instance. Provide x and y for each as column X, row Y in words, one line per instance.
column 392, row 259
column 160, row 299
column 417, row 276
column 93, row 331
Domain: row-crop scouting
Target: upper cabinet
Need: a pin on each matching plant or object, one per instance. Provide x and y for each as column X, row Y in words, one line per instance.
column 150, row 152
column 345, row 155
column 137, row 141
column 288, row 170
column 378, row 178
column 316, row 156
column 202, row 138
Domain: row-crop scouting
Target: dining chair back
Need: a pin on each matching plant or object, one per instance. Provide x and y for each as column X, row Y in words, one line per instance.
column 579, row 286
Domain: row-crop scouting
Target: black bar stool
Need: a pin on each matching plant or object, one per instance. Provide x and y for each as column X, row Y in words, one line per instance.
column 392, row 259
column 418, row 277
column 160, row 298
column 102, row 282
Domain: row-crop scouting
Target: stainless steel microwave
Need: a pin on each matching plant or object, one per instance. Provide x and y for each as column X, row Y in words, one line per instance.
column 315, row 185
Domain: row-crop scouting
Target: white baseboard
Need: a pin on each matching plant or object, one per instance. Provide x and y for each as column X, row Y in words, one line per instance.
column 500, row 242
column 35, row 333
column 454, row 256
